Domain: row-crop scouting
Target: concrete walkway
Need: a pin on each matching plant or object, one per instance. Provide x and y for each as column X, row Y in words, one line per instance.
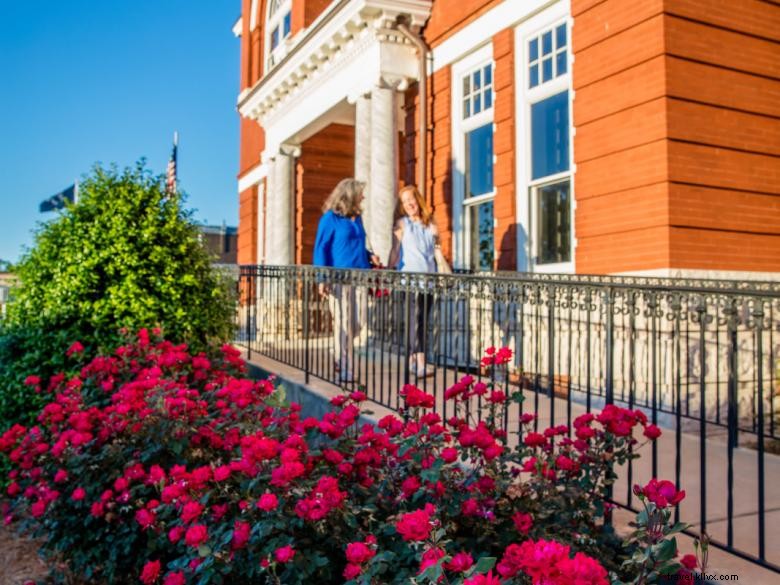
column 314, row 397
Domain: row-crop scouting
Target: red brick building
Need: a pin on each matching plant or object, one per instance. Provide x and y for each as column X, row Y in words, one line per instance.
column 590, row 136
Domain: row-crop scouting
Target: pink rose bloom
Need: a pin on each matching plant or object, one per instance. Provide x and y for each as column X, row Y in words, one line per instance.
column 150, row 572
column 196, row 535
column 176, row 578
column 284, row 554
column 268, row 502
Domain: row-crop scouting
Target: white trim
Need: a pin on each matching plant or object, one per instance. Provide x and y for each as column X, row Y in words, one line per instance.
column 526, row 245
column 481, row 31
column 238, row 26
column 252, row 178
column 479, row 198
column 253, row 10
column 347, row 51
column 481, row 56
column 260, row 258
column 703, row 274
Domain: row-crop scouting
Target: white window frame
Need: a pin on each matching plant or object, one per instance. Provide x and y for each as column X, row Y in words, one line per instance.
column 527, row 201
column 272, row 20
column 460, row 221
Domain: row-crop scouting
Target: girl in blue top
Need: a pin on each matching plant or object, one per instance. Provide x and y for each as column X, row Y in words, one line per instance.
column 341, row 243
column 415, row 239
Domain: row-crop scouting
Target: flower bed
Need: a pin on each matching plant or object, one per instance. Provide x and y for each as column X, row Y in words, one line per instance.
column 160, row 466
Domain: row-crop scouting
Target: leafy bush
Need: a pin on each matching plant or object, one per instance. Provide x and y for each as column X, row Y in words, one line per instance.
column 159, row 465
column 125, row 255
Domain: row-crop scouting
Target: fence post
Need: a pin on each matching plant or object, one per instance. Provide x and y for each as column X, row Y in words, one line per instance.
column 551, row 350
column 609, row 374
column 306, row 316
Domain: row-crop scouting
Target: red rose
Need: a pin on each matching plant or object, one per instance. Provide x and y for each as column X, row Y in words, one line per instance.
column 268, row 502
column 284, row 554
column 415, row 525
column 359, row 553
column 150, row 572
column 176, row 578
column 523, row 522
column 196, row 535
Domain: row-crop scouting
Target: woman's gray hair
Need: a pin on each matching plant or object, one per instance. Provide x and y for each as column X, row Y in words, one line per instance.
column 344, row 200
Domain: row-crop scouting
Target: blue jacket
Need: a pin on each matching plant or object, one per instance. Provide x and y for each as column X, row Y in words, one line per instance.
column 341, row 242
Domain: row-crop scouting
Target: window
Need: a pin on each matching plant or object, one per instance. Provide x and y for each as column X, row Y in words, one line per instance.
column 547, row 55
column 278, row 27
column 473, row 133
column 545, row 104
column 479, row 161
column 550, row 136
column 477, row 91
column 553, row 224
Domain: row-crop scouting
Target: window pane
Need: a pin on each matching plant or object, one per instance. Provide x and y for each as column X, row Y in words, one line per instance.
column 286, row 25
column 554, row 226
column 560, row 36
column 275, row 38
column 466, row 108
column 533, row 50
column 481, row 236
column 477, row 79
column 533, row 78
column 488, row 74
column 547, row 69
column 488, row 98
column 477, row 103
column 466, row 85
column 479, row 161
column 547, row 43
column 550, row 136
column 560, row 59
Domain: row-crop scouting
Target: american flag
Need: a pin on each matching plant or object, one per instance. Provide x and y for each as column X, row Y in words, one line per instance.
column 170, row 181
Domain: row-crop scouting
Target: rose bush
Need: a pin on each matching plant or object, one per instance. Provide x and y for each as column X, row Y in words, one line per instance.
column 153, row 465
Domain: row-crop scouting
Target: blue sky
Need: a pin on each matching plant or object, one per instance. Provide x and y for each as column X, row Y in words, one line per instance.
column 86, row 81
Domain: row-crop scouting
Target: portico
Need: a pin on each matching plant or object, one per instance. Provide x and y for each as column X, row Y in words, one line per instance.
column 348, row 69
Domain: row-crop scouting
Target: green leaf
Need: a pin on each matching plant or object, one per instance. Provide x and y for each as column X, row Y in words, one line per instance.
column 485, row 564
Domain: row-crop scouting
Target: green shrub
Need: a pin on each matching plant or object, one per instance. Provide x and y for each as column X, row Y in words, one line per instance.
column 126, row 255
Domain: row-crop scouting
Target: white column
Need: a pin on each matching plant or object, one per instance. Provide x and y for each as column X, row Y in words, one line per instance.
column 384, row 169
column 270, row 211
column 261, row 223
column 283, row 206
column 363, row 155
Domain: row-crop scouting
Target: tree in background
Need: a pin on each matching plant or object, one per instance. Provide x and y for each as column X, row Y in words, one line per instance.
column 127, row 255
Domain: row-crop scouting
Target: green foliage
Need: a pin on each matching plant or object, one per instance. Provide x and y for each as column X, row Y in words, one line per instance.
column 127, row 255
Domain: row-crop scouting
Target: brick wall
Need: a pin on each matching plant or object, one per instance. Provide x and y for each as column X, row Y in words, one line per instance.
column 449, row 16
column 326, row 158
column 505, row 203
column 440, row 145
column 724, row 134
column 677, row 144
column 247, row 226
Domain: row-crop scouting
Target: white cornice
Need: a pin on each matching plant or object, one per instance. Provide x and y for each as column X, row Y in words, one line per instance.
column 237, row 26
column 347, row 29
column 252, row 178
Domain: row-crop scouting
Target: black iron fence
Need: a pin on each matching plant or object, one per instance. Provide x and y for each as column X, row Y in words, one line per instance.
column 701, row 358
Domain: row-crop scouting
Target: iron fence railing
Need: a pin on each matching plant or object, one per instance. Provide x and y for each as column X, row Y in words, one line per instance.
column 699, row 357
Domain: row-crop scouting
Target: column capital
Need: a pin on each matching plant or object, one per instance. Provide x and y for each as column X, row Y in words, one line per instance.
column 288, row 149
column 392, row 81
column 354, row 96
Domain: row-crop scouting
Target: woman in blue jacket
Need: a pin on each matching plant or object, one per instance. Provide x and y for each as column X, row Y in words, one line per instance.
column 341, row 243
